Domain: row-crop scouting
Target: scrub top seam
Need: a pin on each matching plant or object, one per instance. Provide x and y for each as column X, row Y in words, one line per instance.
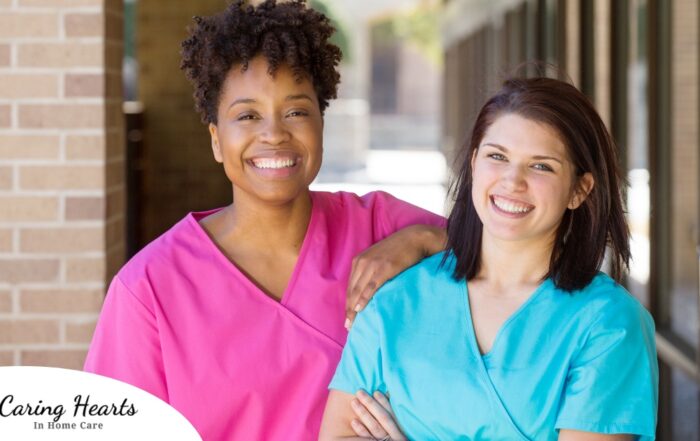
column 305, row 245
column 259, row 294
column 486, row 378
column 513, row 317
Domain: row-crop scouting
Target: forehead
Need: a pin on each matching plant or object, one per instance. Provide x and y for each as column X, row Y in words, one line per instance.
column 522, row 135
column 256, row 81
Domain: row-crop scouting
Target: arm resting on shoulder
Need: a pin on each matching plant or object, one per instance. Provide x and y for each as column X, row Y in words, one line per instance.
column 386, row 259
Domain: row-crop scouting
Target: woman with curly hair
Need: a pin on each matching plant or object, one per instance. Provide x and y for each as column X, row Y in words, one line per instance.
column 235, row 316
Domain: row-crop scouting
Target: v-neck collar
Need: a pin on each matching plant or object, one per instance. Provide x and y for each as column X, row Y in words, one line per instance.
column 481, row 359
column 506, row 323
column 194, row 218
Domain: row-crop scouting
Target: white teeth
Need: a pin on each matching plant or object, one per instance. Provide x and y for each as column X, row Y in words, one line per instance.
column 273, row 163
column 511, row 207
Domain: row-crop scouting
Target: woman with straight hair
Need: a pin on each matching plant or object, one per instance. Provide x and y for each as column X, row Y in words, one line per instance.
column 513, row 333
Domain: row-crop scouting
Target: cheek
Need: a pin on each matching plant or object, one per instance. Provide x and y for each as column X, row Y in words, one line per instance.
column 555, row 194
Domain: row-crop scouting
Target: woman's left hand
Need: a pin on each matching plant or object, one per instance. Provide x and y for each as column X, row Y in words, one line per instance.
column 387, row 258
column 375, row 418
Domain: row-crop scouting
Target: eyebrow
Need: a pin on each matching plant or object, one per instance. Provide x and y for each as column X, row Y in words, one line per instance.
column 536, row 157
column 301, row 96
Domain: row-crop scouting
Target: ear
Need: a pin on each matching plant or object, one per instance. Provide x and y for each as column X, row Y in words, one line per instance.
column 584, row 185
column 215, row 146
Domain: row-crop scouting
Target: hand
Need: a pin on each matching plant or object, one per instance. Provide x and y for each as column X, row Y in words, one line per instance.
column 375, row 418
column 387, row 258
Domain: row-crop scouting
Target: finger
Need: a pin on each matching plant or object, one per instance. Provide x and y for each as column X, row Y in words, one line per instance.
column 378, row 412
column 356, row 272
column 366, row 295
column 367, row 419
column 384, row 415
column 365, row 275
column 384, row 401
column 360, row 429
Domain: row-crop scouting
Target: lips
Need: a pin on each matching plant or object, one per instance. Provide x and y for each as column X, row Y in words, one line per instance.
column 511, row 206
column 275, row 163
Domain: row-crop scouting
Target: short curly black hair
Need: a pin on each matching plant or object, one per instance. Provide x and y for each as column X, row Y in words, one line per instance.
column 284, row 33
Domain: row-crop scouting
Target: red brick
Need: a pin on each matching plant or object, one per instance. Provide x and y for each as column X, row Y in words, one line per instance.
column 5, row 178
column 7, row 358
column 17, row 270
column 61, row 116
column 85, row 147
column 29, row 147
column 80, row 332
column 5, row 240
column 59, row 3
column 67, row 359
column 61, row 240
column 13, row 25
column 69, row 177
column 28, row 86
column 60, row 54
column 85, row 269
column 28, row 331
column 4, row 54
column 61, row 301
column 84, row 85
column 28, row 208
column 5, row 115
column 85, row 208
column 84, row 25
column 5, row 301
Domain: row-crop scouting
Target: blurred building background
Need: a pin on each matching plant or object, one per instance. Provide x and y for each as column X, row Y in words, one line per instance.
column 101, row 150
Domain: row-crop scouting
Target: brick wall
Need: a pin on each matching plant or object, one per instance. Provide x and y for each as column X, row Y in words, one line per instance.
column 61, row 174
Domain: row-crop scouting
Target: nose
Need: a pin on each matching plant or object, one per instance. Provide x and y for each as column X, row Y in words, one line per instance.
column 274, row 132
column 514, row 179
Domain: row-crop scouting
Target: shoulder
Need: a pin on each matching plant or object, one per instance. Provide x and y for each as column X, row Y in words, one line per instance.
column 604, row 293
column 608, row 305
column 157, row 259
column 418, row 285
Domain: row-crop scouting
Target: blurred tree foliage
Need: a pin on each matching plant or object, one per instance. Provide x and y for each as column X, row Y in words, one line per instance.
column 340, row 38
column 418, row 26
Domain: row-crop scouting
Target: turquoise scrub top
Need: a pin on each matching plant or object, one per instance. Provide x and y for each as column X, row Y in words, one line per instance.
column 582, row 360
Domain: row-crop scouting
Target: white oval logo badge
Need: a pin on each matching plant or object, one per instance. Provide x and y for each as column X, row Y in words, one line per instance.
column 42, row 403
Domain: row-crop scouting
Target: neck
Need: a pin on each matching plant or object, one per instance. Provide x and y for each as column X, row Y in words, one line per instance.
column 268, row 226
column 509, row 264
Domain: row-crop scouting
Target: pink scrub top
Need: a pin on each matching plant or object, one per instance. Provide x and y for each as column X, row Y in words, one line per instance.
column 183, row 323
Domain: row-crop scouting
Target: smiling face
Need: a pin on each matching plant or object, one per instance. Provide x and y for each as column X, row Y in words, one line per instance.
column 523, row 181
column 268, row 134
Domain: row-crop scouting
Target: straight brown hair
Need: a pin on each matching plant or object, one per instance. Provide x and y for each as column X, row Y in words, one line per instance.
column 584, row 233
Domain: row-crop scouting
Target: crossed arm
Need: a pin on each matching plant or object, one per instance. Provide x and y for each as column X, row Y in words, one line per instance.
column 362, row 417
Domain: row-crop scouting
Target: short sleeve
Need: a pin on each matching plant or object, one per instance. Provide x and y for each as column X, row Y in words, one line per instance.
column 392, row 214
column 612, row 383
column 125, row 345
column 360, row 366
